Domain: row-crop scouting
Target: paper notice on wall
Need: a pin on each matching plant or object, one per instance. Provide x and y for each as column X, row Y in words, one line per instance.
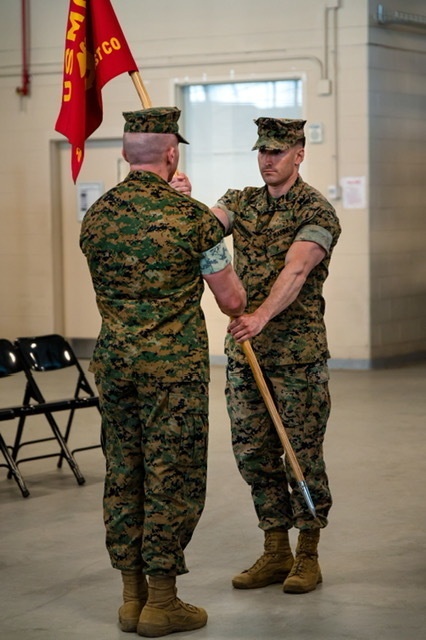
column 353, row 193
column 87, row 194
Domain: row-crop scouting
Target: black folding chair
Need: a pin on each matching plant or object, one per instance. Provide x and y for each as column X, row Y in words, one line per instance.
column 10, row 364
column 48, row 353
column 33, row 403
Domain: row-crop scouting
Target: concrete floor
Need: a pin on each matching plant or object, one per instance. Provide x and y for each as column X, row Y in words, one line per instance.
column 57, row 584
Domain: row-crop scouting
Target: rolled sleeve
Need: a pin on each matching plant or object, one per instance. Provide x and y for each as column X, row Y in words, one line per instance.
column 215, row 259
column 315, row 233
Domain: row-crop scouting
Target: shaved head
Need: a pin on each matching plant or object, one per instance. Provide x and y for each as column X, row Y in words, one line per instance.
column 147, row 148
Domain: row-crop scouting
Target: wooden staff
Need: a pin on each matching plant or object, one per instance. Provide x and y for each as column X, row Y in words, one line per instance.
column 273, row 412
column 141, row 90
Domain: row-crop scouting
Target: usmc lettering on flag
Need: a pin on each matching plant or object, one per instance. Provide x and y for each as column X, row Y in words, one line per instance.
column 95, row 52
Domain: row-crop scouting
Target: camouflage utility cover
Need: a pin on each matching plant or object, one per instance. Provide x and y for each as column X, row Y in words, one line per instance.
column 278, row 133
column 143, row 242
column 154, row 120
column 263, row 230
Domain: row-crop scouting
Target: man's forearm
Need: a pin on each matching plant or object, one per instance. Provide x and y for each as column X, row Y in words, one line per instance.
column 283, row 293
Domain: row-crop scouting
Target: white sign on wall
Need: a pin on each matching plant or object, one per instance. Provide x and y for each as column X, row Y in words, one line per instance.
column 354, row 193
column 87, row 194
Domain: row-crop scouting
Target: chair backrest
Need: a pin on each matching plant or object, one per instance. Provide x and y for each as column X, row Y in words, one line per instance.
column 49, row 353
column 10, row 360
column 46, row 353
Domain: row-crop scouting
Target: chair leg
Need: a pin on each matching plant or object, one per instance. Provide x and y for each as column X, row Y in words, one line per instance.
column 66, row 436
column 65, row 452
column 13, row 468
column 17, row 443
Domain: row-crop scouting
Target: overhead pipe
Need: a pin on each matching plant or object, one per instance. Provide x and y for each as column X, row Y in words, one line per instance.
column 24, row 89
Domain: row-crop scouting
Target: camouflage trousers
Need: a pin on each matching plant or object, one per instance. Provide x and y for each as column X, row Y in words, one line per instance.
column 155, row 445
column 302, row 399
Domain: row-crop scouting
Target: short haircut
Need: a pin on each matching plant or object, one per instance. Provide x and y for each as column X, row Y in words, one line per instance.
column 147, row 148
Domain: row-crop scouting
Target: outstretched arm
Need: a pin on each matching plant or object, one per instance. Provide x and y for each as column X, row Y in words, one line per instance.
column 301, row 258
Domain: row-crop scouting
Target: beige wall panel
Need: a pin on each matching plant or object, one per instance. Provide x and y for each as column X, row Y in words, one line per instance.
column 81, row 317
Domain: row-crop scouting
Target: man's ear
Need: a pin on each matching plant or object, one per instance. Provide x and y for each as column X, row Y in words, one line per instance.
column 172, row 155
column 300, row 156
column 124, row 154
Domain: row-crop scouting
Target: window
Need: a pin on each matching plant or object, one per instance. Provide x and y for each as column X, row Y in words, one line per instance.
column 217, row 120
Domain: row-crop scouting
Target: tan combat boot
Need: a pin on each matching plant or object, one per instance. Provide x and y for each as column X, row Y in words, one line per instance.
column 164, row 613
column 272, row 566
column 135, row 594
column 306, row 572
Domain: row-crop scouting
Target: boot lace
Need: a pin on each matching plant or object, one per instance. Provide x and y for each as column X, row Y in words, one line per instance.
column 185, row 605
column 263, row 561
column 302, row 564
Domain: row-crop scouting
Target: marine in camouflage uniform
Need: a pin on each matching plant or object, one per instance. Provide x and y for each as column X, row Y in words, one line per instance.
column 291, row 349
column 147, row 248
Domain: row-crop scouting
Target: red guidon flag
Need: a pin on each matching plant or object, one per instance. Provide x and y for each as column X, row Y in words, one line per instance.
column 95, row 52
